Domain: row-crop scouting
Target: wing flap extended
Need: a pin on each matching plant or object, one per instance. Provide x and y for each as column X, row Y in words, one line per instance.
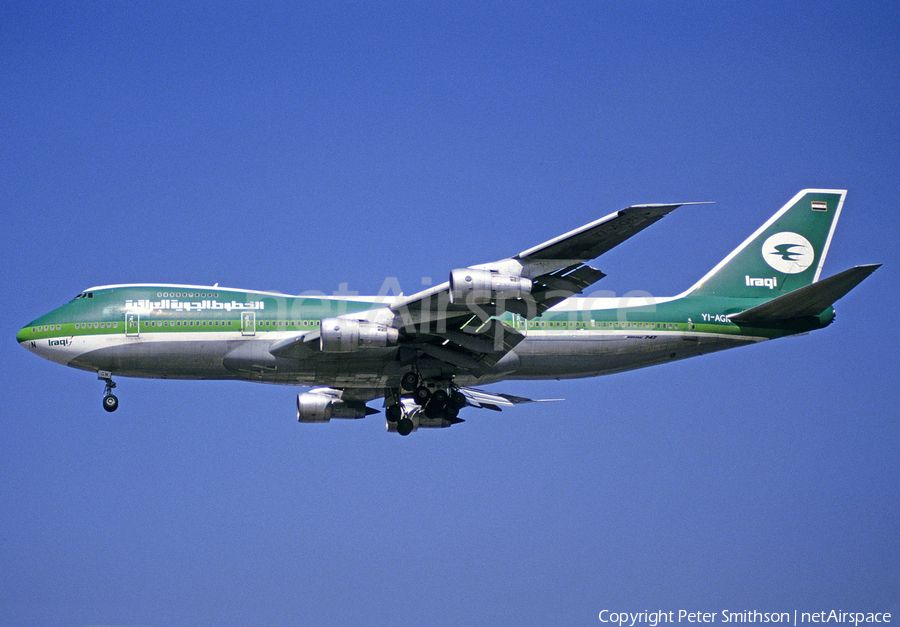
column 496, row 401
column 552, row 288
column 472, row 347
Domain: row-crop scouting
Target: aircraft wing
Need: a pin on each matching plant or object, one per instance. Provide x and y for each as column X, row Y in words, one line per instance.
column 447, row 329
column 457, row 345
column 596, row 238
column 557, row 270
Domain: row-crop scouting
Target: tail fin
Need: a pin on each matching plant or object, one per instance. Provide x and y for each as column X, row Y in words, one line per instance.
column 784, row 254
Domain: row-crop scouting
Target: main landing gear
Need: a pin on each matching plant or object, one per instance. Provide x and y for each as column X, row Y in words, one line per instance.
column 434, row 404
column 110, row 402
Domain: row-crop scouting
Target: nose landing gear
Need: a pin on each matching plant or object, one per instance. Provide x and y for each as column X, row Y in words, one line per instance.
column 110, row 402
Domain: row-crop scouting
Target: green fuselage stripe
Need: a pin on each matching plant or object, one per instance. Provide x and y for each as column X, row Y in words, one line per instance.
column 153, row 311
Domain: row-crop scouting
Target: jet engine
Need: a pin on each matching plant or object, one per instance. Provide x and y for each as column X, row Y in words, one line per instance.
column 341, row 335
column 477, row 287
column 420, row 421
column 314, row 407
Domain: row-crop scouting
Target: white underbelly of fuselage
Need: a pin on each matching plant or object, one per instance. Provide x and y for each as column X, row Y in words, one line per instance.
column 541, row 355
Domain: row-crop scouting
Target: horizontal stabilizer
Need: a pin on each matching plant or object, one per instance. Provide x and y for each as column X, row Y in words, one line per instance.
column 805, row 302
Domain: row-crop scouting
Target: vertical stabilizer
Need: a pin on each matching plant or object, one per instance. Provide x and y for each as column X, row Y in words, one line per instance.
column 784, row 254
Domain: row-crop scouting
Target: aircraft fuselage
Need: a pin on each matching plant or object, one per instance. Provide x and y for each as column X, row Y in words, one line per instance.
column 191, row 332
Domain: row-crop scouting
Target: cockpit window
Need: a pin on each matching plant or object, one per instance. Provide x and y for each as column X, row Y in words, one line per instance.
column 84, row 295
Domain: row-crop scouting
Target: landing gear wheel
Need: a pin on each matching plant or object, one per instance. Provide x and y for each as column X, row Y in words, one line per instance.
column 458, row 399
column 409, row 381
column 394, row 412
column 110, row 403
column 434, row 410
column 422, row 394
column 437, row 404
column 405, row 426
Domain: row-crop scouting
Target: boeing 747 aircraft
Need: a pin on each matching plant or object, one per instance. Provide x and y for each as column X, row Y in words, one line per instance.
column 517, row 318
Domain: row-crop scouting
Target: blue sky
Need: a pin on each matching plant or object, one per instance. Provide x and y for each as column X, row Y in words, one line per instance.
column 284, row 147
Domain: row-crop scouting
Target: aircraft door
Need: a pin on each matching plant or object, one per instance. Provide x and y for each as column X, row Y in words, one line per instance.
column 132, row 324
column 248, row 323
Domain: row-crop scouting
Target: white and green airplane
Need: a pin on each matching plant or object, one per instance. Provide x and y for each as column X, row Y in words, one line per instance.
column 516, row 318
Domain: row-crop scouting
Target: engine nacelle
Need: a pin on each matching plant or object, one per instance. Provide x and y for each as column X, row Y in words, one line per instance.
column 477, row 287
column 424, row 423
column 313, row 407
column 341, row 335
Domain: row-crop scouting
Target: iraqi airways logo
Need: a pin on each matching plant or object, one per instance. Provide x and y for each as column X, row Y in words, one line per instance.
column 788, row 252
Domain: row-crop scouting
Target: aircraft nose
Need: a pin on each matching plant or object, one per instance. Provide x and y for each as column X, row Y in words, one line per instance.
column 23, row 336
column 45, row 340
column 27, row 337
